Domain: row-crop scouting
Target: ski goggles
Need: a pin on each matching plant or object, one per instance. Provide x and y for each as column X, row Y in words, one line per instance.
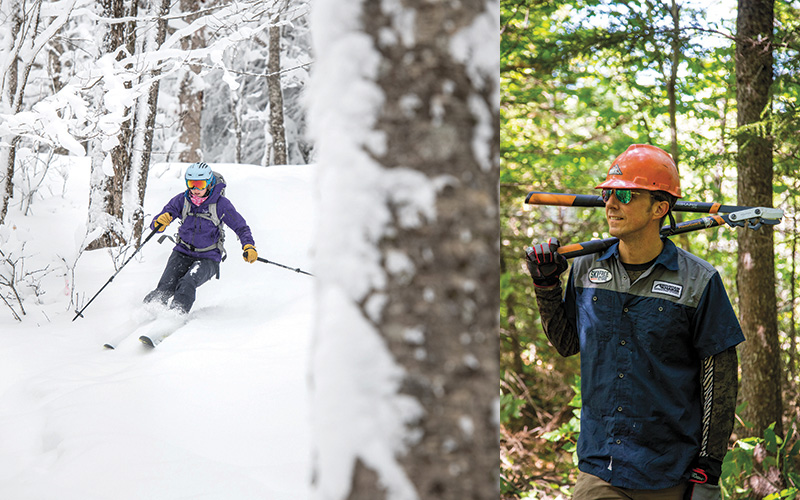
column 197, row 184
column 623, row 195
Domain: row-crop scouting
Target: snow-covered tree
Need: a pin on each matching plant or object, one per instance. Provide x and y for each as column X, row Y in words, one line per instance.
column 237, row 124
column 404, row 108
column 110, row 151
column 190, row 92
column 26, row 29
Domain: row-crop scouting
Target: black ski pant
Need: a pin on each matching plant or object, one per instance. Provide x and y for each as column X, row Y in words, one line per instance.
column 180, row 280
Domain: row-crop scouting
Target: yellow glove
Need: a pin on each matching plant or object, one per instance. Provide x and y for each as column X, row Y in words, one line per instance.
column 162, row 221
column 250, row 255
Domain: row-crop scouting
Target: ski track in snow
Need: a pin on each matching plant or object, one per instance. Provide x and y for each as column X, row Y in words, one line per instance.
column 216, row 411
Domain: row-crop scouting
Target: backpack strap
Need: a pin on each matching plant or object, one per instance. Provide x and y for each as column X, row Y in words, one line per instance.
column 210, row 216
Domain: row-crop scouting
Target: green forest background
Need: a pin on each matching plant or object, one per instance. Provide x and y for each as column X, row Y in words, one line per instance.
column 581, row 81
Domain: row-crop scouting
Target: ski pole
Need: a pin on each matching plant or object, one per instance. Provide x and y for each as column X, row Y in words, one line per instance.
column 79, row 313
column 752, row 218
column 297, row 270
column 589, row 200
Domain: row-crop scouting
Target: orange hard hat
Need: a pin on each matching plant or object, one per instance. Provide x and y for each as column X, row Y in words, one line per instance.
column 643, row 166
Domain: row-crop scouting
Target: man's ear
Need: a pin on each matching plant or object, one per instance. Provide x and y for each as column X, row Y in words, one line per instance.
column 661, row 209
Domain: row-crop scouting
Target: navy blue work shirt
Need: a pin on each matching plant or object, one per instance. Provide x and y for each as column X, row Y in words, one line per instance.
column 641, row 347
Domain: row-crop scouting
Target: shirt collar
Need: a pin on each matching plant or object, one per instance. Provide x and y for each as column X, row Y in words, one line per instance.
column 667, row 258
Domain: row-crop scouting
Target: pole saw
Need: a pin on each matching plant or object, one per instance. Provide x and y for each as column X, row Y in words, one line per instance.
column 590, row 200
column 732, row 215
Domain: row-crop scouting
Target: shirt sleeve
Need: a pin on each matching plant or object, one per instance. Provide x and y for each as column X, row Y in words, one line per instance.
column 714, row 324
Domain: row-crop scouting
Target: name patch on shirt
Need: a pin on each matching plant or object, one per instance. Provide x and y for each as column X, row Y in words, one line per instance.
column 667, row 288
column 599, row 275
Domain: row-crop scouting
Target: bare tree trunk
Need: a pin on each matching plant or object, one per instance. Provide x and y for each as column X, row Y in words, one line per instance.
column 761, row 366
column 415, row 275
column 791, row 371
column 673, row 78
column 276, row 95
column 236, row 116
column 190, row 95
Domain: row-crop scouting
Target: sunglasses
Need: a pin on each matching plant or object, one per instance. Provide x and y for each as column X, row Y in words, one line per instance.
column 197, row 184
column 623, row 195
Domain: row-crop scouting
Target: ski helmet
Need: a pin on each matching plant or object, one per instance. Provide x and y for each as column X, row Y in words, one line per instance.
column 201, row 171
column 643, row 166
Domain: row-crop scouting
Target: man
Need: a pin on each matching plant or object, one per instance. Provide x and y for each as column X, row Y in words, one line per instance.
column 657, row 336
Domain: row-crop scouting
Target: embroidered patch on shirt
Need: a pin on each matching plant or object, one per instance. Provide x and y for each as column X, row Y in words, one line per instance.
column 600, row 275
column 615, row 170
column 667, row 288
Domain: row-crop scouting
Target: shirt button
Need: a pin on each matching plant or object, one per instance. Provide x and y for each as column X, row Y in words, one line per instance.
column 594, row 299
column 618, row 441
column 619, row 408
column 621, row 375
column 625, row 310
column 622, row 342
column 660, row 309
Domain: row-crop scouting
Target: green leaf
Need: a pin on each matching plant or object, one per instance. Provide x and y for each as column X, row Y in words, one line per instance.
column 770, row 439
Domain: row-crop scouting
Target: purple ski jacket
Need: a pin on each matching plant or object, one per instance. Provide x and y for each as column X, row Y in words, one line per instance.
column 201, row 233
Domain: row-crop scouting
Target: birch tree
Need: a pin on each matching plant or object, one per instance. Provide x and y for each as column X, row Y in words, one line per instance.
column 405, row 357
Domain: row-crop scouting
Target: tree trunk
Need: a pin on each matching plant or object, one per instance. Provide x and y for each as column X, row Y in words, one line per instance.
column 761, row 373
column 673, row 78
column 146, row 110
column 9, row 102
column 190, row 95
column 110, row 168
column 414, row 278
column 276, row 95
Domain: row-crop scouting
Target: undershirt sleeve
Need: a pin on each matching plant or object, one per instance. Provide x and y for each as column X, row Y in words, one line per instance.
column 559, row 330
column 719, row 390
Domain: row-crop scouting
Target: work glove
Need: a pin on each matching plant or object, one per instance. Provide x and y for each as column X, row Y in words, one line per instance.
column 704, row 480
column 250, row 255
column 545, row 263
column 162, row 221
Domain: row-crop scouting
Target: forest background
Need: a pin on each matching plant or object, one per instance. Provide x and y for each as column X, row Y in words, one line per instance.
column 714, row 84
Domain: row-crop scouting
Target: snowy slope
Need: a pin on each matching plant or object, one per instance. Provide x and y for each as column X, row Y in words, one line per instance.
column 217, row 411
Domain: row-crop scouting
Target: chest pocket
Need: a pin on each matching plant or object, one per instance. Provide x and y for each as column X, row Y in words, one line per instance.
column 594, row 312
column 662, row 329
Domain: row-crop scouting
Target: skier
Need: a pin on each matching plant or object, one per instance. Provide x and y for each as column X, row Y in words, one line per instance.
column 195, row 259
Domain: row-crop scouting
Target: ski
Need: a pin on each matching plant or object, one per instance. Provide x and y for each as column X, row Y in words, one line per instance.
column 152, row 331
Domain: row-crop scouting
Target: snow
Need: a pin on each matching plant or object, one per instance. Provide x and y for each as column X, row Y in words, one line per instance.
column 219, row 410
